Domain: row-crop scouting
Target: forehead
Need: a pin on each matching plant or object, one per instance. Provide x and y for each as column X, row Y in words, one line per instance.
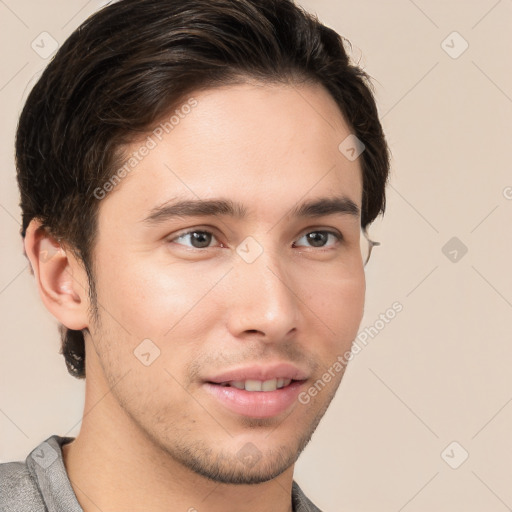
column 268, row 145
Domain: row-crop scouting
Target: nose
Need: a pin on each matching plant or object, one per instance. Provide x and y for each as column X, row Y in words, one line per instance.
column 263, row 300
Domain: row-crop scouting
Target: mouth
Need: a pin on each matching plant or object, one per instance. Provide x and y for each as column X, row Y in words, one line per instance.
column 257, row 392
column 252, row 385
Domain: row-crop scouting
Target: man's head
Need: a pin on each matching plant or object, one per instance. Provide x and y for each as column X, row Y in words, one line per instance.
column 240, row 102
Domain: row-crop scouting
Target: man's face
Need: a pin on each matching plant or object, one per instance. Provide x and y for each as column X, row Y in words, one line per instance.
column 269, row 296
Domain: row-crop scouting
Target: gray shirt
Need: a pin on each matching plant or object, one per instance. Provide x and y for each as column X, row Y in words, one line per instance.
column 41, row 484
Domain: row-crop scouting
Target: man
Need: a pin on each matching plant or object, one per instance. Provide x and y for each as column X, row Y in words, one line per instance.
column 196, row 182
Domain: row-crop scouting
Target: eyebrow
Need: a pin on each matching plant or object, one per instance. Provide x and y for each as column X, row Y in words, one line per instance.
column 215, row 207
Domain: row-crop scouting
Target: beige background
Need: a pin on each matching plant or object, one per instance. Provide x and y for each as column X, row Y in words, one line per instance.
column 440, row 370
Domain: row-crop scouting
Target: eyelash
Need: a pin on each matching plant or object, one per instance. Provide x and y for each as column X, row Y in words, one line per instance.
column 338, row 236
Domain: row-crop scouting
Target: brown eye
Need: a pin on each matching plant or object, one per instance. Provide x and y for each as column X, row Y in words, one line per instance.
column 198, row 239
column 320, row 238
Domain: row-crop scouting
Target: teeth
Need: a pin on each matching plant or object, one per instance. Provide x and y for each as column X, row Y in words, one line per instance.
column 269, row 385
column 258, row 385
column 253, row 385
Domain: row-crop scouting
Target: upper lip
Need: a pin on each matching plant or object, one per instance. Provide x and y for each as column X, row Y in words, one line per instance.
column 260, row 372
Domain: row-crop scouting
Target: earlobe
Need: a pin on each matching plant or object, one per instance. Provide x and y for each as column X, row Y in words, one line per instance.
column 60, row 279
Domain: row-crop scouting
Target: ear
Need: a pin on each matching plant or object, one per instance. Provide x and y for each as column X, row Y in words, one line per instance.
column 60, row 277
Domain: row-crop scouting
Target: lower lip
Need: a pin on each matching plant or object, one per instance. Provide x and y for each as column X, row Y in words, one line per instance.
column 255, row 404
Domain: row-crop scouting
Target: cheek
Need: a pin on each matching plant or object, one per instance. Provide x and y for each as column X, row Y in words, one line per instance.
column 340, row 305
column 154, row 301
column 351, row 301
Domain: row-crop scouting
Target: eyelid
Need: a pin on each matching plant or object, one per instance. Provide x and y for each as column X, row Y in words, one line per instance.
column 321, row 229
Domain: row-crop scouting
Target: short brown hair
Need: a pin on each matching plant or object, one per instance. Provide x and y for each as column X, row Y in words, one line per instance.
column 131, row 63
